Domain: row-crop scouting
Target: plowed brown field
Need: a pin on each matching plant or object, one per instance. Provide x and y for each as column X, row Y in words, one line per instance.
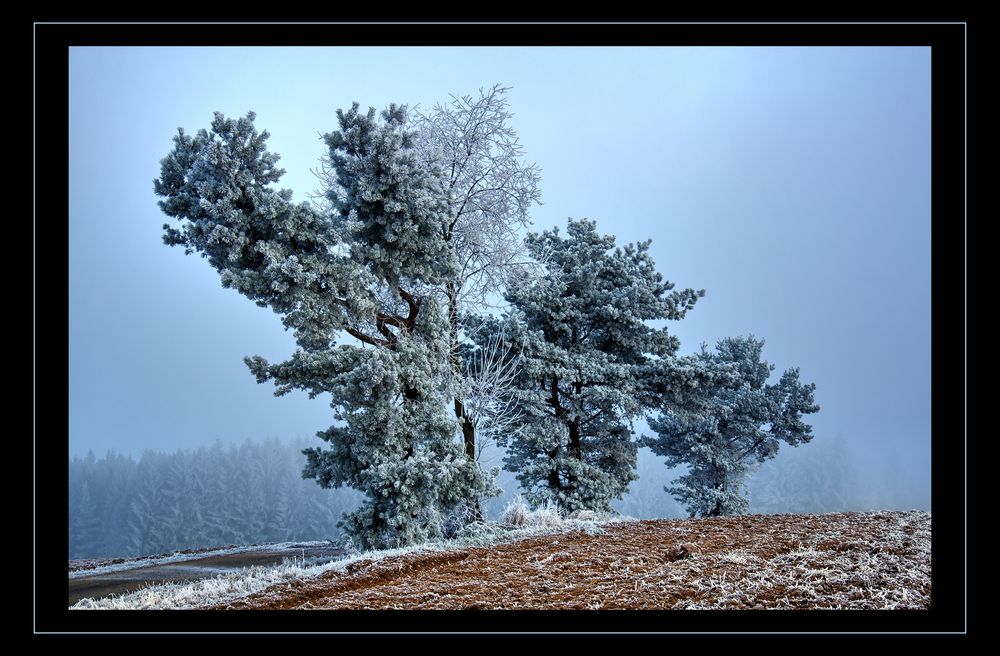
column 845, row 560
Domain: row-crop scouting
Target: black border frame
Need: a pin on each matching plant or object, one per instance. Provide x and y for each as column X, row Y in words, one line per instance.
column 50, row 277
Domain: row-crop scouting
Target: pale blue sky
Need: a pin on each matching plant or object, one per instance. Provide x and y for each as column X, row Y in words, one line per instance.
column 793, row 184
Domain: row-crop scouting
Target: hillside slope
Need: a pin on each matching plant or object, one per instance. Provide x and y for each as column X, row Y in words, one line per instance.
column 843, row 560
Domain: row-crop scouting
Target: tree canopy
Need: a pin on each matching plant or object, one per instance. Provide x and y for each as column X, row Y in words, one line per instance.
column 364, row 270
column 382, row 280
column 588, row 360
column 739, row 422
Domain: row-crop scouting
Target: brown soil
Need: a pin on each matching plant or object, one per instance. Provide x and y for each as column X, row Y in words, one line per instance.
column 844, row 560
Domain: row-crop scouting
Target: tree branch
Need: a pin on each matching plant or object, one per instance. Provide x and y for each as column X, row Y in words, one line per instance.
column 367, row 339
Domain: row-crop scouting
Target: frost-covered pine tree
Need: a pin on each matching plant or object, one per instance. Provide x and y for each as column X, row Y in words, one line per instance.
column 85, row 528
column 737, row 424
column 488, row 191
column 590, row 364
column 365, row 269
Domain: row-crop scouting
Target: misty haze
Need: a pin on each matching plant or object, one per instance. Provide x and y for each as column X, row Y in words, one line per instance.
column 549, row 293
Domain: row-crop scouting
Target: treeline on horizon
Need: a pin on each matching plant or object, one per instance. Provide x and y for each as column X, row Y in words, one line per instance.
column 254, row 493
column 220, row 495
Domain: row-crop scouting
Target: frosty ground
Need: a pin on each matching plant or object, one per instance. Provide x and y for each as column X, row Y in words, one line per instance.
column 98, row 578
column 836, row 561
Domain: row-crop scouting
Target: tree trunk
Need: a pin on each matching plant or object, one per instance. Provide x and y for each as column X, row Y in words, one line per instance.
column 575, row 447
column 468, row 428
column 720, row 486
column 469, row 436
column 574, row 450
column 553, row 478
column 410, row 394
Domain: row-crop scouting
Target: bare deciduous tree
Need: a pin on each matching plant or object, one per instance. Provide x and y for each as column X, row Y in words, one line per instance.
column 489, row 383
column 489, row 193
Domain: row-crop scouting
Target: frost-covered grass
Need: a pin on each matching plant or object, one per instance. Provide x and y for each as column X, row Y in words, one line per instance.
column 230, row 585
column 825, row 571
column 518, row 522
column 836, row 561
column 875, row 560
column 518, row 515
column 179, row 557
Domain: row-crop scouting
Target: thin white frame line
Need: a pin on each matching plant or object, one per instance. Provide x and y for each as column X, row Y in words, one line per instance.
column 965, row 319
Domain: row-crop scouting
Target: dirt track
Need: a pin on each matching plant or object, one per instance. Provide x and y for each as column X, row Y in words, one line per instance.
column 845, row 560
column 97, row 586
